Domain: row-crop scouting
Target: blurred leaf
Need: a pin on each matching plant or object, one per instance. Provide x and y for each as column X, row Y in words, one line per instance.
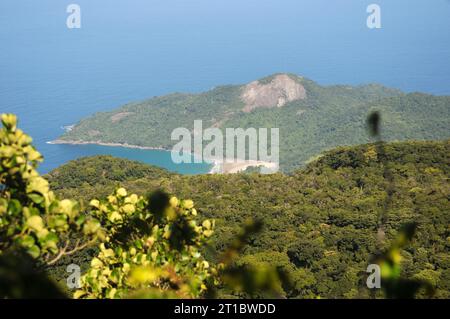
column 20, row 279
column 373, row 124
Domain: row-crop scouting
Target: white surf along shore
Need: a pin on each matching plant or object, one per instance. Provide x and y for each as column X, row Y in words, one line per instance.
column 219, row 167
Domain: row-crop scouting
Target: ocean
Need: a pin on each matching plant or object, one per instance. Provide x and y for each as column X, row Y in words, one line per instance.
column 125, row 51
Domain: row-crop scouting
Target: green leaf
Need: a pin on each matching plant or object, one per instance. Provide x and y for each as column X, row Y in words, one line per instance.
column 80, row 220
column 91, row 227
column 34, row 251
column 27, row 241
column 58, row 221
column 14, row 207
column 9, row 121
column 35, row 222
column 36, row 198
column 50, row 242
column 38, row 185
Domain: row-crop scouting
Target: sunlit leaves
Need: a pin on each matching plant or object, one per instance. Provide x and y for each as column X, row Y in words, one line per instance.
column 150, row 244
column 91, row 227
column 9, row 121
column 31, row 217
column 121, row 192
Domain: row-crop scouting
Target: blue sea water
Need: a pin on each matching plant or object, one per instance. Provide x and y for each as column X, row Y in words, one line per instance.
column 125, row 51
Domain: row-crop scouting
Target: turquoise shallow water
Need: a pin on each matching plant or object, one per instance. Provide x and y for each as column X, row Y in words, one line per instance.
column 127, row 51
column 154, row 157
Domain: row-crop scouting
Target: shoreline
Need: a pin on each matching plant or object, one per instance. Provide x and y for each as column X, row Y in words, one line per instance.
column 126, row 145
column 238, row 166
column 217, row 167
column 214, row 164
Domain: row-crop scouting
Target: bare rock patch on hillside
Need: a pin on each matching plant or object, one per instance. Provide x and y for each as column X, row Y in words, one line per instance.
column 281, row 90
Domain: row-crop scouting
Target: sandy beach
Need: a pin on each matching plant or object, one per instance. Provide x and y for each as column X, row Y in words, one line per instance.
column 218, row 167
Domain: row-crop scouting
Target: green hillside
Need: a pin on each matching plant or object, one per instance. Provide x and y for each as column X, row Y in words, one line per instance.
column 320, row 119
column 321, row 222
column 103, row 170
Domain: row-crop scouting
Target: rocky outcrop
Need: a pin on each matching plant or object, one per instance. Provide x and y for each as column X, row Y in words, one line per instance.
column 281, row 90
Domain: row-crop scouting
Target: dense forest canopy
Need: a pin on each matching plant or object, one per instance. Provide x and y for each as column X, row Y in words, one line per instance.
column 310, row 234
column 321, row 222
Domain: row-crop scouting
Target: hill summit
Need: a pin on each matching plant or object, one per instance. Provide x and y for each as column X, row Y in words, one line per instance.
column 277, row 92
column 311, row 118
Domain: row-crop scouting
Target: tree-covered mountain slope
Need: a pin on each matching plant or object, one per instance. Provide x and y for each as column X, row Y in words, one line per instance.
column 311, row 118
column 99, row 173
column 321, row 224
